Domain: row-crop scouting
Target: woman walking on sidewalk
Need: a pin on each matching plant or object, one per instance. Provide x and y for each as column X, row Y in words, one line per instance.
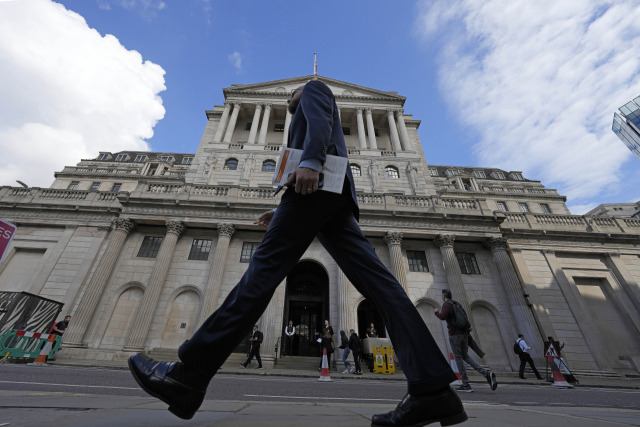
column 344, row 345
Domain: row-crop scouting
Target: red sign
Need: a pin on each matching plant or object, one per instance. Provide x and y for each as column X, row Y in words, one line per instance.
column 7, row 230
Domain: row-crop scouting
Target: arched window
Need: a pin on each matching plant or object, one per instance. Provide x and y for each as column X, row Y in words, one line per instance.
column 391, row 172
column 269, row 166
column 231, row 164
column 355, row 170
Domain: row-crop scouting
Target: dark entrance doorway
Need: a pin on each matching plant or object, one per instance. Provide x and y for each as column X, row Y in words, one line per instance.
column 366, row 315
column 307, row 305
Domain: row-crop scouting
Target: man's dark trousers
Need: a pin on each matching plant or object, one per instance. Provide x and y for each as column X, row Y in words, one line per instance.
column 255, row 352
column 524, row 359
column 297, row 221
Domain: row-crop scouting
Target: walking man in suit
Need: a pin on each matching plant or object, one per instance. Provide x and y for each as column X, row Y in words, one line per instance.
column 256, row 340
column 303, row 214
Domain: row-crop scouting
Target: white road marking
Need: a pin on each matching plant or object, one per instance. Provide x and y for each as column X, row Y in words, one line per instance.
column 71, row 385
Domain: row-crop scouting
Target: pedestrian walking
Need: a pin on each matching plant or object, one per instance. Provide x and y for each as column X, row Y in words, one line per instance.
column 326, row 343
column 303, row 214
column 255, row 340
column 525, row 357
column 459, row 329
column 344, row 345
column 355, row 345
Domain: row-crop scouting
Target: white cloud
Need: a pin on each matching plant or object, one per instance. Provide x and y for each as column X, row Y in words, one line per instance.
column 236, row 60
column 540, row 81
column 67, row 92
column 148, row 8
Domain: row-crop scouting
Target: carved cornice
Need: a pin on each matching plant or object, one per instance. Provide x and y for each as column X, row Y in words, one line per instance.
column 393, row 237
column 175, row 227
column 225, row 230
column 444, row 240
column 123, row 224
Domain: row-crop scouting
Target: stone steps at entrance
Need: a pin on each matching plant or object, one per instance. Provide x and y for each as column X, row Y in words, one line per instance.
column 297, row 363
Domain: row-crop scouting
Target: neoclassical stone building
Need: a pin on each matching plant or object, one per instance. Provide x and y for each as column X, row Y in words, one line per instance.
column 142, row 246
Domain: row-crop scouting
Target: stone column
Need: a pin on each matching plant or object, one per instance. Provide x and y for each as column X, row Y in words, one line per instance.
column 287, row 123
column 265, row 125
column 452, row 268
column 393, row 131
column 74, row 335
column 214, row 283
column 344, row 307
column 393, row 240
column 270, row 330
column 404, row 135
column 147, row 308
column 232, row 123
column 222, row 124
column 361, row 136
column 521, row 313
column 627, row 282
column 254, row 124
column 372, row 132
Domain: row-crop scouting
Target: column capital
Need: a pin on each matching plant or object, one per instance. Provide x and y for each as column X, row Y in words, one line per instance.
column 368, row 110
column 175, row 227
column 359, row 109
column 495, row 243
column 123, row 224
column 225, row 230
column 444, row 240
column 399, row 111
column 393, row 237
column 237, row 104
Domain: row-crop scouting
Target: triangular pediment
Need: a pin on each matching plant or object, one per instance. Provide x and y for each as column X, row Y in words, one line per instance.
column 339, row 88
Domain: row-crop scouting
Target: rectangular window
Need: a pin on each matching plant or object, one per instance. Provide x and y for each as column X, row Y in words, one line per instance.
column 523, row 207
column 73, row 185
column 187, row 160
column 103, row 156
column 517, row 176
column 200, row 250
column 545, row 208
column 502, row 206
column 140, row 158
column 417, row 261
column 433, row 172
column 278, row 127
column 248, row 126
column 346, row 131
column 168, row 159
column 499, row 175
column 95, row 186
column 150, row 246
column 121, row 158
column 450, row 172
column 479, row 174
column 248, row 249
column 116, row 187
column 468, row 263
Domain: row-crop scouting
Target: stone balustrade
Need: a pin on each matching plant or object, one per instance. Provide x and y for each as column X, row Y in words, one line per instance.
column 58, row 196
column 551, row 222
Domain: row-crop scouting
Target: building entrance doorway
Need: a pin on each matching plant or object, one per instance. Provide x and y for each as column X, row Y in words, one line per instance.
column 367, row 315
column 307, row 305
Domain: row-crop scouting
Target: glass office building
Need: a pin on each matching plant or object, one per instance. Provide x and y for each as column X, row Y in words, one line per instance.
column 627, row 125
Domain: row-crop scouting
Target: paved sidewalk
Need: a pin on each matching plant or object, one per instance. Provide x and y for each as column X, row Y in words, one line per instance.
column 36, row 409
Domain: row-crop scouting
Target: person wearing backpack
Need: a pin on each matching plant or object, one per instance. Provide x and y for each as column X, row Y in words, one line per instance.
column 522, row 350
column 459, row 327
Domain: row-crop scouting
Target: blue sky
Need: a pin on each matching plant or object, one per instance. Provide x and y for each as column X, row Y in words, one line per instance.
column 525, row 86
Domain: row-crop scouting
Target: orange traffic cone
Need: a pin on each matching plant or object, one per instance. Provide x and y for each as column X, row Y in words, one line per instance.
column 558, row 378
column 324, row 372
column 454, row 366
column 42, row 357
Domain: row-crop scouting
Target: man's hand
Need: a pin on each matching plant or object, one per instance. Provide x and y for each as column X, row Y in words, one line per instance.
column 435, row 310
column 306, row 180
column 265, row 219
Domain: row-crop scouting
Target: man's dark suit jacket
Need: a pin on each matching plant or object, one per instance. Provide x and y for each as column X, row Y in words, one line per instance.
column 315, row 122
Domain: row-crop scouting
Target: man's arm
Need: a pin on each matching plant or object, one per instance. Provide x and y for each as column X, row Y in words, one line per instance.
column 444, row 312
column 55, row 328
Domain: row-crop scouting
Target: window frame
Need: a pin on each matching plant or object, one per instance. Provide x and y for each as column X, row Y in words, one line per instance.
column 248, row 249
column 116, row 187
column 524, row 207
column 355, row 167
column 269, row 162
column 506, row 208
column 200, row 250
column 417, row 261
column 231, row 161
column 545, row 208
column 391, row 170
column 73, row 185
column 150, row 246
column 468, row 263
column 95, row 186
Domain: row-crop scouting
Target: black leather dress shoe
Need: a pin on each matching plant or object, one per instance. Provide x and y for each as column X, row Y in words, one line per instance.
column 444, row 407
column 182, row 399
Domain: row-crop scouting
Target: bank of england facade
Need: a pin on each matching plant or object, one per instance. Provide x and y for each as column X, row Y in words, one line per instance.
column 141, row 247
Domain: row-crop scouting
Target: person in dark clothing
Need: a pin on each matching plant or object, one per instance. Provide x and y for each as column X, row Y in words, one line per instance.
column 371, row 332
column 355, row 345
column 256, row 340
column 327, row 327
column 344, row 345
column 290, row 333
column 326, row 344
column 525, row 358
column 61, row 326
column 459, row 340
